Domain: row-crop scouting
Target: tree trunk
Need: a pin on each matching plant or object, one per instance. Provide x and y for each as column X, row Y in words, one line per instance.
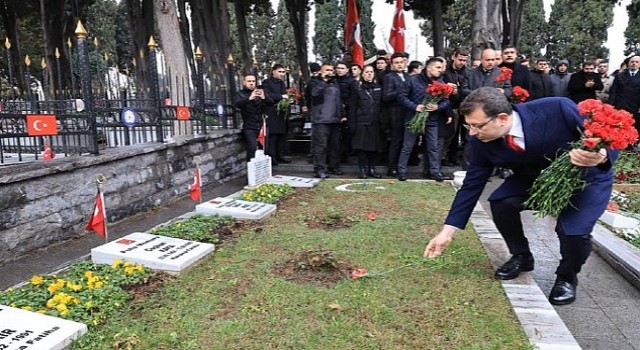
column 486, row 29
column 438, row 28
column 511, row 19
column 54, row 20
column 141, row 20
column 185, row 33
column 298, row 18
column 8, row 14
column 241, row 22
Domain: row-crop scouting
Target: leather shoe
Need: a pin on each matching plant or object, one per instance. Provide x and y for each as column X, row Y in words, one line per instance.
column 402, row 177
column 335, row 171
column 563, row 292
column 392, row 172
column 512, row 268
column 321, row 174
column 438, row 177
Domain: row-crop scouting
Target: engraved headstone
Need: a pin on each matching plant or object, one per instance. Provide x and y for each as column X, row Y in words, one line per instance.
column 236, row 208
column 26, row 330
column 259, row 169
column 155, row 252
column 294, row 181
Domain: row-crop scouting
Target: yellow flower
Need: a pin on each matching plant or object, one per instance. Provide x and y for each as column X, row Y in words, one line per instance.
column 62, row 308
column 126, row 264
column 13, row 305
column 36, row 280
column 115, row 264
column 27, row 308
column 51, row 303
column 42, row 312
column 88, row 274
column 129, row 270
column 88, row 304
column 64, row 312
column 139, row 268
column 53, row 287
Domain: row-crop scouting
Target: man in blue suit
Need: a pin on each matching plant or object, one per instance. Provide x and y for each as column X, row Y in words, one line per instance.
column 524, row 140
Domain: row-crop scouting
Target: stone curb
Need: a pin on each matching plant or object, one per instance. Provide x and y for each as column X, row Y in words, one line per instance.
column 620, row 254
column 540, row 321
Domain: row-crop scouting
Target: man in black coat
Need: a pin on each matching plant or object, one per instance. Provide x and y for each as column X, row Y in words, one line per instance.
column 583, row 84
column 252, row 103
column 520, row 76
column 456, row 76
column 541, row 85
column 345, row 81
column 625, row 91
column 276, row 89
column 393, row 112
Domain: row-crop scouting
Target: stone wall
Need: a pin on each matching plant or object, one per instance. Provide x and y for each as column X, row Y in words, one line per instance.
column 46, row 202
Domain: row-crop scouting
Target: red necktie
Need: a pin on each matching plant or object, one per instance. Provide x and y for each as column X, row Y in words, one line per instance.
column 511, row 143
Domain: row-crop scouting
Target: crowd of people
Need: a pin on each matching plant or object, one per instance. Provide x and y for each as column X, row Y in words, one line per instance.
column 369, row 111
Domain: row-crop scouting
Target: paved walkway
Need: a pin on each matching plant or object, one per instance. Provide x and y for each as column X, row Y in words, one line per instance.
column 606, row 315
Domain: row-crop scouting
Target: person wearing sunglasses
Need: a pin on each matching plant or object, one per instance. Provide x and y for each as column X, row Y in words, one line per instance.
column 526, row 138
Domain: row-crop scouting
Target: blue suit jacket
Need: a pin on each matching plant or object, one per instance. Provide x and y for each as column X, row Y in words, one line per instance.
column 549, row 125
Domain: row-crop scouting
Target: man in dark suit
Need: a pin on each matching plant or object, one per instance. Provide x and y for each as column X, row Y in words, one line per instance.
column 538, row 129
column 252, row 103
column 276, row 89
column 393, row 112
column 583, row 84
column 625, row 91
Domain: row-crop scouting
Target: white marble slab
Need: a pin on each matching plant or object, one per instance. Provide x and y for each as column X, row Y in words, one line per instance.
column 617, row 220
column 236, row 208
column 26, row 330
column 259, row 169
column 294, row 181
column 155, row 252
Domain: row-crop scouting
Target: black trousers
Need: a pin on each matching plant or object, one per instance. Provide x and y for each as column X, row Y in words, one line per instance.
column 277, row 146
column 326, row 146
column 250, row 138
column 396, row 136
column 574, row 249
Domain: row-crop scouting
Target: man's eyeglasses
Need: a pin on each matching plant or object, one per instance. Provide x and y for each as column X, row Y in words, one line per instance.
column 478, row 126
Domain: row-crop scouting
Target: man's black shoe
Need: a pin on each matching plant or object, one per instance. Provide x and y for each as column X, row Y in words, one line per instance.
column 402, row 177
column 512, row 268
column 335, row 171
column 320, row 174
column 392, row 172
column 563, row 292
column 438, row 177
column 284, row 161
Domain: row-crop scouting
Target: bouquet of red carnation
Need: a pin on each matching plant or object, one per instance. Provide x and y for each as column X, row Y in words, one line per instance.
column 519, row 95
column 604, row 127
column 436, row 91
column 504, row 77
column 293, row 96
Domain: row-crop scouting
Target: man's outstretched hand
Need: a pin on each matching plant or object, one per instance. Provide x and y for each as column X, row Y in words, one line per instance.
column 439, row 243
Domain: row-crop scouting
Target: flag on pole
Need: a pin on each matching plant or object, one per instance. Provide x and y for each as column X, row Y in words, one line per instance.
column 97, row 221
column 352, row 34
column 48, row 154
column 262, row 134
column 396, row 38
column 195, row 191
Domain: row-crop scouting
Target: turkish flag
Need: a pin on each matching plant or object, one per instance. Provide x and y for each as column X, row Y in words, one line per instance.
column 182, row 113
column 352, row 34
column 41, row 125
column 396, row 38
column 262, row 134
column 48, row 152
column 97, row 222
column 195, row 191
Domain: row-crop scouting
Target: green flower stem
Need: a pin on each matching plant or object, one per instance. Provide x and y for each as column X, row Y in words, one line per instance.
column 552, row 190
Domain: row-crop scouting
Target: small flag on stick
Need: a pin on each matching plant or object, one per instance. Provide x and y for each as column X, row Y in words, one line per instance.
column 262, row 134
column 195, row 191
column 48, row 154
column 97, row 221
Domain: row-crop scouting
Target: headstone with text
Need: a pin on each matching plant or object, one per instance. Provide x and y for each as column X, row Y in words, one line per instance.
column 294, row 181
column 236, row 208
column 155, row 252
column 26, row 330
column 259, row 169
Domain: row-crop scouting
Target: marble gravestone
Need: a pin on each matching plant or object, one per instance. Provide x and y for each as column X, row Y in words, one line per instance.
column 236, row 208
column 294, row 181
column 26, row 330
column 155, row 252
column 259, row 169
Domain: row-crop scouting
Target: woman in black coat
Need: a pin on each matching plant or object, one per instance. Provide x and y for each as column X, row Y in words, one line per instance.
column 364, row 121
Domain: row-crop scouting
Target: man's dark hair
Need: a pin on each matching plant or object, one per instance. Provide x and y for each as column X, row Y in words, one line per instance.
column 342, row 63
column 542, row 60
column 510, row 47
column 460, row 52
column 433, row 60
column 489, row 99
column 381, row 58
column 381, row 53
column 413, row 65
column 589, row 63
column 396, row 55
column 247, row 74
column 276, row 66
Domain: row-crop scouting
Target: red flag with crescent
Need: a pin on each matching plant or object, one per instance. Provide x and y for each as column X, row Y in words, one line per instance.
column 352, row 34
column 195, row 191
column 97, row 221
column 41, row 125
column 262, row 134
column 396, row 38
column 48, row 154
column 182, row 113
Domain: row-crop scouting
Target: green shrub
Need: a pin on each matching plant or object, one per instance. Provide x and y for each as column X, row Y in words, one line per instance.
column 268, row 193
column 200, row 228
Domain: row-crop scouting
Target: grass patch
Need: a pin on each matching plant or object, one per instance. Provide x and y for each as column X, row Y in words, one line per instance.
column 237, row 299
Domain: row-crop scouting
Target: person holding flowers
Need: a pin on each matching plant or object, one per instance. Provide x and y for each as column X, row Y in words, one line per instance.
column 528, row 138
column 274, row 87
column 426, row 94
